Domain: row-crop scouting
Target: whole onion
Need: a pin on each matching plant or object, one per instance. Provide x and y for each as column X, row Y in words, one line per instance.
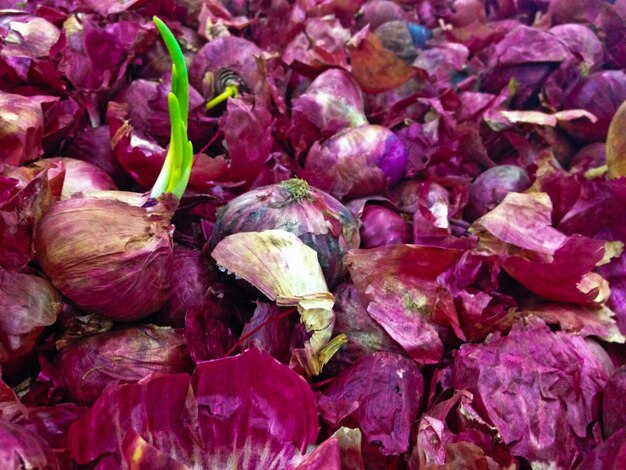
column 357, row 162
column 490, row 188
column 28, row 304
column 601, row 94
column 331, row 103
column 383, row 226
column 107, row 256
column 318, row 219
column 83, row 177
column 88, row 365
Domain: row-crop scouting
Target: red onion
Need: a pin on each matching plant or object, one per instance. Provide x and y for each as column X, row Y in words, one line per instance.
column 383, row 226
column 332, row 102
column 318, row 219
column 110, row 253
column 601, row 94
column 28, row 304
column 83, row 177
column 590, row 156
column 376, row 12
column 357, row 162
column 106, row 256
column 490, row 188
column 88, row 365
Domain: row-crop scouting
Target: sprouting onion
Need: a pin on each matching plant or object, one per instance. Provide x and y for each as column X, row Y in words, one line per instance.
column 110, row 252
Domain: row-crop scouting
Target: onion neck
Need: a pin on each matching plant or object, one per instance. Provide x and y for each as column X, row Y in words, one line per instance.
column 176, row 170
column 297, row 189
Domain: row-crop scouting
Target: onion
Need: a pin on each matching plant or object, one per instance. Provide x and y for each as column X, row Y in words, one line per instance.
column 590, row 156
column 376, row 12
column 318, row 219
column 28, row 304
column 88, row 365
column 357, row 162
column 601, row 94
column 383, row 226
column 396, row 36
column 331, row 103
column 106, row 256
column 110, row 253
column 490, row 188
column 83, row 177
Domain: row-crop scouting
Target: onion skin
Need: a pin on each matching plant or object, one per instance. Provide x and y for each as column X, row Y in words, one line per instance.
column 383, row 226
column 83, row 177
column 319, row 220
column 106, row 256
column 357, row 162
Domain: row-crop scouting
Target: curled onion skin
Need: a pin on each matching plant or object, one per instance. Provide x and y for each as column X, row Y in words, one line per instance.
column 318, row 219
column 107, row 256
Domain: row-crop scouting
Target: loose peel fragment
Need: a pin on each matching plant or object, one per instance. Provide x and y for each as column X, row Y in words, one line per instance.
column 176, row 170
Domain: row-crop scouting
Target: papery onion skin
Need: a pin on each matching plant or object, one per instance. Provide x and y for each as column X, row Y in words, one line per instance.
column 318, row 219
column 357, row 162
column 190, row 286
column 106, row 256
column 83, row 177
column 601, row 94
column 383, row 226
column 88, row 365
column 490, row 188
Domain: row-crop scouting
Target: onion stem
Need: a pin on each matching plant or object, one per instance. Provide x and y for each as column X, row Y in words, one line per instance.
column 176, row 170
column 231, row 91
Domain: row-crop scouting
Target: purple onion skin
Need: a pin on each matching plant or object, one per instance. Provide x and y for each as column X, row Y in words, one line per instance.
column 357, row 162
column 490, row 188
column 22, row 448
column 88, row 365
column 190, row 286
column 319, row 220
column 601, row 94
column 106, row 256
column 383, row 226
column 83, row 177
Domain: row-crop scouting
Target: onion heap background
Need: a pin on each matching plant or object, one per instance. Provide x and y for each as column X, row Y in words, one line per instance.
column 401, row 245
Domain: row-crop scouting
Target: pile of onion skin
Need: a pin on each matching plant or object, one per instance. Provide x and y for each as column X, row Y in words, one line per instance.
column 378, row 234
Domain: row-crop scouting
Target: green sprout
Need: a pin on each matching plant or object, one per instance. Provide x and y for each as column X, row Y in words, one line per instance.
column 231, row 91
column 176, row 170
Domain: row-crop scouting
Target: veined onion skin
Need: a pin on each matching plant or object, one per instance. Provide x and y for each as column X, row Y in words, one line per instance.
column 106, row 256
